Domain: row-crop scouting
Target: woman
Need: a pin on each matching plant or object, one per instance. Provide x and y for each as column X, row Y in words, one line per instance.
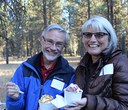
column 103, row 71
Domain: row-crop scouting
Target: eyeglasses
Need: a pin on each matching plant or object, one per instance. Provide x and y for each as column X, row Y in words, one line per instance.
column 50, row 43
column 98, row 35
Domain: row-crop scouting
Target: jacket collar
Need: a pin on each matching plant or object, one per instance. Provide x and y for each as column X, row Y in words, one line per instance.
column 36, row 63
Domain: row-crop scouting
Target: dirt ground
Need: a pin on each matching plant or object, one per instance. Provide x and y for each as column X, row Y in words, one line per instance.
column 7, row 70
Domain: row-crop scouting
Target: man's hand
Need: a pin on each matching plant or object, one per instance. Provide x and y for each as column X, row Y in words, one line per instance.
column 12, row 90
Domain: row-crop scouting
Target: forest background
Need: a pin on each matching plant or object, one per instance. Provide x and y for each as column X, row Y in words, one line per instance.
column 22, row 22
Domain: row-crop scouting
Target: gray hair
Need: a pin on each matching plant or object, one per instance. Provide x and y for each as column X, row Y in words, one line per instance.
column 55, row 27
column 102, row 24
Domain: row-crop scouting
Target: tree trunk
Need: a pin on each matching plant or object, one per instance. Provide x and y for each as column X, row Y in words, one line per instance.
column 111, row 11
column 7, row 52
column 88, row 9
column 44, row 13
column 107, row 9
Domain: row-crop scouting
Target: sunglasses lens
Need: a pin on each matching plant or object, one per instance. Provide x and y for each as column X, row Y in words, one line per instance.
column 87, row 34
column 98, row 35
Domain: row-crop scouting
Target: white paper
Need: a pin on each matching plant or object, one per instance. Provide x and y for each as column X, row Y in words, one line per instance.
column 107, row 69
column 68, row 99
column 57, row 84
column 58, row 101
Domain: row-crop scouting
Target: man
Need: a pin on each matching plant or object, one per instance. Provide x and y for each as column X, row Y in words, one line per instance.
column 45, row 73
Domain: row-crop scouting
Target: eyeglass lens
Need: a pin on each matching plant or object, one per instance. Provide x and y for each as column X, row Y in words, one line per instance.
column 50, row 42
column 98, row 35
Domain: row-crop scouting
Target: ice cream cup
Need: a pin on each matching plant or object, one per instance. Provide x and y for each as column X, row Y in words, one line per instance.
column 70, row 97
column 48, row 106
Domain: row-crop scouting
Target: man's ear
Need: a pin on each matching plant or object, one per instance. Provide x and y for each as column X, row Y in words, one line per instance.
column 41, row 39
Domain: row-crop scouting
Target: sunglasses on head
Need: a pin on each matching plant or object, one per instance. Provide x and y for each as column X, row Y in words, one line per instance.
column 98, row 35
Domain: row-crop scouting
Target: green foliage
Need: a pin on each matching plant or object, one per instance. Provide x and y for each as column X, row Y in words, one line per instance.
column 21, row 23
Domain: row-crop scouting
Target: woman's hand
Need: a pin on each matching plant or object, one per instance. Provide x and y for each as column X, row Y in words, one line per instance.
column 72, row 88
column 78, row 104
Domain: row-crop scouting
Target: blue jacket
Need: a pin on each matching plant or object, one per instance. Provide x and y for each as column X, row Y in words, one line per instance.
column 28, row 77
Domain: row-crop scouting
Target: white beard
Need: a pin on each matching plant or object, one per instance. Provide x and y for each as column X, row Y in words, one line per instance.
column 49, row 57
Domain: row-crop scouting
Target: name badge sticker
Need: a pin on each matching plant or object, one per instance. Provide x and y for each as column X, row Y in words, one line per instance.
column 57, row 84
column 107, row 69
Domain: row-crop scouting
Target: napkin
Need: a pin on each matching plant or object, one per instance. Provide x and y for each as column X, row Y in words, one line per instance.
column 58, row 101
column 68, row 99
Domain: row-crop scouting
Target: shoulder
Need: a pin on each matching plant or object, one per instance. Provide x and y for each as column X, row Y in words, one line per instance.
column 26, row 70
column 120, row 60
column 65, row 63
column 117, row 58
column 120, row 63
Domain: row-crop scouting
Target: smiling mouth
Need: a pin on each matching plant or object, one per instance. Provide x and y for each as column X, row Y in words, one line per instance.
column 93, row 45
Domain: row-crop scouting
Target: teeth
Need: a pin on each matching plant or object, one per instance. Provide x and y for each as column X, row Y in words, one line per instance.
column 93, row 45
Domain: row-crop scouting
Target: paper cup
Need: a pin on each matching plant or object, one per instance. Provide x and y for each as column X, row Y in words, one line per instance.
column 70, row 97
column 48, row 106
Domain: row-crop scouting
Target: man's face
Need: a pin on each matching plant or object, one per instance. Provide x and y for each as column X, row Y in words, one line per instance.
column 52, row 44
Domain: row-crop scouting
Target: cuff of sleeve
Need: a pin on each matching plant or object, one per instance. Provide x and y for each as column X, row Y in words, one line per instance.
column 91, row 102
column 14, row 101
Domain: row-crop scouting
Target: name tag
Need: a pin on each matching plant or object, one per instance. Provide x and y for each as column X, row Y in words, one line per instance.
column 57, row 84
column 107, row 69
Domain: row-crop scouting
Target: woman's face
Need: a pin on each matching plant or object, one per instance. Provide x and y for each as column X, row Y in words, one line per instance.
column 95, row 43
